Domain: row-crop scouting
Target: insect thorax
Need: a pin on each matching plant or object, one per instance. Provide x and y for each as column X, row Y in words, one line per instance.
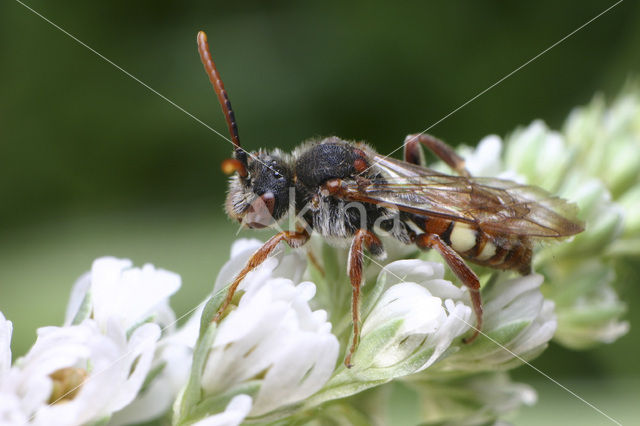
column 331, row 158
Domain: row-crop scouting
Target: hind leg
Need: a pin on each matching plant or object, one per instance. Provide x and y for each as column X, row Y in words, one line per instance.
column 461, row 270
column 412, row 153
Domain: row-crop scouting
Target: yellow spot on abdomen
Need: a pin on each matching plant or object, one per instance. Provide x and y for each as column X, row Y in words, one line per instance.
column 488, row 251
column 463, row 237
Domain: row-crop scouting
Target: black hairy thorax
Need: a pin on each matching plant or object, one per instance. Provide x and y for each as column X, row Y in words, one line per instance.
column 316, row 163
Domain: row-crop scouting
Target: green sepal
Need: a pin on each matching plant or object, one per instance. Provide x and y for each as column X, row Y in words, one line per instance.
column 192, row 394
column 217, row 403
column 341, row 385
column 153, row 373
column 101, row 421
column 372, row 343
column 135, row 326
column 210, row 310
column 371, row 295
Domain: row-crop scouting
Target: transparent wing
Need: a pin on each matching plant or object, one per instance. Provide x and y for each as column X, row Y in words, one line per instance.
column 494, row 205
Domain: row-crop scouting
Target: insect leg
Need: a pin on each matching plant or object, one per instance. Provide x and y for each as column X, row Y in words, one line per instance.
column 438, row 147
column 294, row 239
column 461, row 270
column 374, row 245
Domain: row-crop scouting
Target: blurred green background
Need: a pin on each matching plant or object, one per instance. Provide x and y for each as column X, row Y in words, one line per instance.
column 92, row 163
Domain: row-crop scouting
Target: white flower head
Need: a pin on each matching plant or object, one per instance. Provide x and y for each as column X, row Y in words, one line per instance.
column 116, row 292
column 77, row 374
column 115, row 289
column 290, row 265
column 518, row 324
column 414, row 321
column 173, row 361
column 538, row 154
column 272, row 343
column 471, row 400
column 273, row 334
column 588, row 308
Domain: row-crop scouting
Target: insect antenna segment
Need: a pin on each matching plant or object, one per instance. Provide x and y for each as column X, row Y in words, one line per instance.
column 238, row 164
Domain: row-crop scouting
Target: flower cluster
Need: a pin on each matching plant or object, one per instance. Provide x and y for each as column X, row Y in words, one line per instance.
column 277, row 353
column 595, row 162
column 98, row 362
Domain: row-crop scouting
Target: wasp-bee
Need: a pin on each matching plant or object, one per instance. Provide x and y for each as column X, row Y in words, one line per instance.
column 487, row 221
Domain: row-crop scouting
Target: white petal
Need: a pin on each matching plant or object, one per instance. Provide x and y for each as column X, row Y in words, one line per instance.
column 301, row 370
column 187, row 335
column 244, row 245
column 241, row 251
column 131, row 294
column 139, row 353
column 410, row 302
column 485, row 159
column 292, row 266
column 78, row 293
column 513, row 300
column 414, row 270
column 455, row 324
column 274, row 336
column 6, row 329
column 161, row 393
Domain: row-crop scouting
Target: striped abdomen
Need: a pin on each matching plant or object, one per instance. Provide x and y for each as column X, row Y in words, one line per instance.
column 495, row 251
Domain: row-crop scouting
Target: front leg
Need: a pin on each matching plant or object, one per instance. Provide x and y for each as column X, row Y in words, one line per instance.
column 461, row 270
column 294, row 239
column 374, row 245
column 412, row 153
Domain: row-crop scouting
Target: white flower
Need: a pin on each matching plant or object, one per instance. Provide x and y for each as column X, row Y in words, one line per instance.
column 413, row 322
column 272, row 346
column 273, row 333
column 76, row 374
column 291, row 266
column 472, row 400
column 233, row 414
column 576, row 165
column 608, row 139
column 114, row 289
column 588, row 308
column 538, row 154
column 485, row 159
column 174, row 362
column 416, row 322
column 518, row 324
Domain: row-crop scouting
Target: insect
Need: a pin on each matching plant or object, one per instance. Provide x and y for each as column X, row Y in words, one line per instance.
column 487, row 221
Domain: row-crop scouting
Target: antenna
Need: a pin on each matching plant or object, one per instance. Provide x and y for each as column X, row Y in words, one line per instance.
column 210, row 67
